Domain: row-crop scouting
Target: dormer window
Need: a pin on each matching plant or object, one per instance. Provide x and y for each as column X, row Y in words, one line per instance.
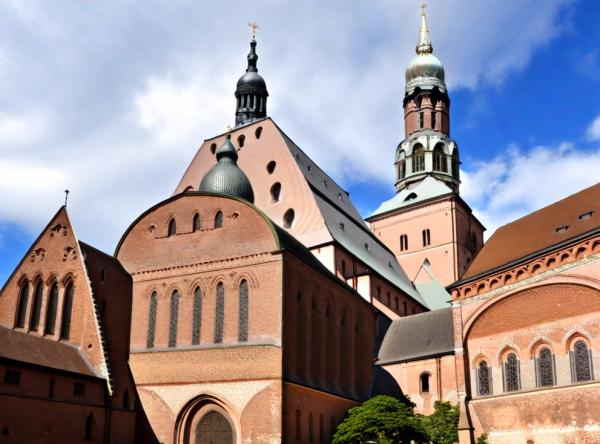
column 585, row 216
column 562, row 229
column 411, row 196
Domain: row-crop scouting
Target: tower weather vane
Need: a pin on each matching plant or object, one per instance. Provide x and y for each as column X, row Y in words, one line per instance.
column 254, row 27
column 423, row 6
column 66, row 196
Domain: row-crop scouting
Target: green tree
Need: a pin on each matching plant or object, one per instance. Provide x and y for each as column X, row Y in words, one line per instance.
column 482, row 439
column 442, row 425
column 382, row 420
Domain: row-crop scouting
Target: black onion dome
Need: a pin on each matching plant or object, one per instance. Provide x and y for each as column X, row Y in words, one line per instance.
column 226, row 177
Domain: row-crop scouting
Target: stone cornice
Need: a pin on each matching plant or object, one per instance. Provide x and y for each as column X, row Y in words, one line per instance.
column 534, row 270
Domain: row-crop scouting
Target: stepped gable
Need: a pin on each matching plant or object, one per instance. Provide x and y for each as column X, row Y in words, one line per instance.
column 561, row 222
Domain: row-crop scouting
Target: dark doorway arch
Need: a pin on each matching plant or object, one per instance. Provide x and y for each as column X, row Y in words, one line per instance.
column 214, row 428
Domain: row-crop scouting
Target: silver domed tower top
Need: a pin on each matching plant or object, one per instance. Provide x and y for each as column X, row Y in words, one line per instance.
column 226, row 177
column 425, row 70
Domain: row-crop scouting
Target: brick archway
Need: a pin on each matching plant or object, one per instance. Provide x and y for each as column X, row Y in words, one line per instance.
column 213, row 428
column 205, row 420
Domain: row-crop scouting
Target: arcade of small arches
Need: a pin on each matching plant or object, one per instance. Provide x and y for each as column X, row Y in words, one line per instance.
column 42, row 306
column 427, row 110
column 316, row 430
column 419, row 160
column 393, row 302
column 217, row 222
column 195, row 300
column 543, row 360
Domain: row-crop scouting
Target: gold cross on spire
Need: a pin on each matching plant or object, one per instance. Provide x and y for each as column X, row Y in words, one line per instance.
column 254, row 27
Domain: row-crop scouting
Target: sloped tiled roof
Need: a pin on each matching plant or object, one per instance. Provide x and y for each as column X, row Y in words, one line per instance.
column 557, row 223
column 418, row 336
column 31, row 349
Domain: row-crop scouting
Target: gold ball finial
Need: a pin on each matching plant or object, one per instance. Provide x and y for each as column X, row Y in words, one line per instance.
column 228, row 130
column 254, row 27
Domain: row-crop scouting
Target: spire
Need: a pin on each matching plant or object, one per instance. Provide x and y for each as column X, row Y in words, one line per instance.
column 424, row 44
column 251, row 92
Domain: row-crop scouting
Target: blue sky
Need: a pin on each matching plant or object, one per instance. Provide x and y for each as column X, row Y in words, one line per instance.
column 111, row 99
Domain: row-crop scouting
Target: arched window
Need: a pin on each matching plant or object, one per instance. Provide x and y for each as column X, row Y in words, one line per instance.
column 51, row 310
column 345, row 349
column 275, row 192
column 36, row 309
column 455, row 165
column 151, row 321
column 298, row 425
column 219, row 219
column 311, row 432
column 288, row 218
column 271, row 166
column 172, row 227
column 330, row 357
column 89, row 427
column 433, row 119
column 321, row 429
column 439, row 159
column 243, row 315
column 197, row 316
column 418, row 159
column 65, row 328
column 173, row 319
column 196, row 223
column 426, row 237
column 22, row 305
column 220, row 313
column 581, row 362
column 512, row 377
column 545, row 368
column 484, row 379
column 421, row 120
column 403, row 242
column 402, row 166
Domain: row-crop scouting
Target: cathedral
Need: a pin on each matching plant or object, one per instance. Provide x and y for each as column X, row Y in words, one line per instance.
column 256, row 305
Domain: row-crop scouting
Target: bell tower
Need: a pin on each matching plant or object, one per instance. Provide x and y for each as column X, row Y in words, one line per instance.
column 426, row 224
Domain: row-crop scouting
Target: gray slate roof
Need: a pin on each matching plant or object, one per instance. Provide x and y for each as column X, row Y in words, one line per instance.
column 418, row 336
column 346, row 225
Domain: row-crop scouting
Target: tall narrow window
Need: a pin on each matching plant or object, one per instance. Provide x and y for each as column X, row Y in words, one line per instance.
column 545, row 368
column 321, row 429
column 311, row 432
column 89, row 426
column 402, row 169
column 484, row 379
column 439, row 159
column 418, row 159
column 421, row 120
column 219, row 219
column 455, row 164
column 65, row 328
column 51, row 389
column 511, row 373
column 298, row 425
column 288, row 218
column 197, row 316
column 426, row 237
column 424, row 382
column 51, row 310
column 580, row 362
column 36, row 309
column 243, row 316
column 173, row 319
column 126, row 400
column 403, row 242
column 151, row 321
column 172, row 227
column 196, row 223
column 220, row 313
column 22, row 305
column 433, row 119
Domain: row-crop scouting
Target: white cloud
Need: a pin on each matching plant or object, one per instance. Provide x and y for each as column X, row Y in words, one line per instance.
column 523, row 181
column 112, row 100
column 593, row 131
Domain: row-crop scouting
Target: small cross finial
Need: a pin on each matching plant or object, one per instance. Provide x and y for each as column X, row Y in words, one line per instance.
column 66, row 197
column 423, row 6
column 254, row 27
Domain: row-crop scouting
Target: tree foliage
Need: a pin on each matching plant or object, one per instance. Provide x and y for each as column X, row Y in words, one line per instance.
column 442, row 425
column 387, row 420
column 381, row 420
